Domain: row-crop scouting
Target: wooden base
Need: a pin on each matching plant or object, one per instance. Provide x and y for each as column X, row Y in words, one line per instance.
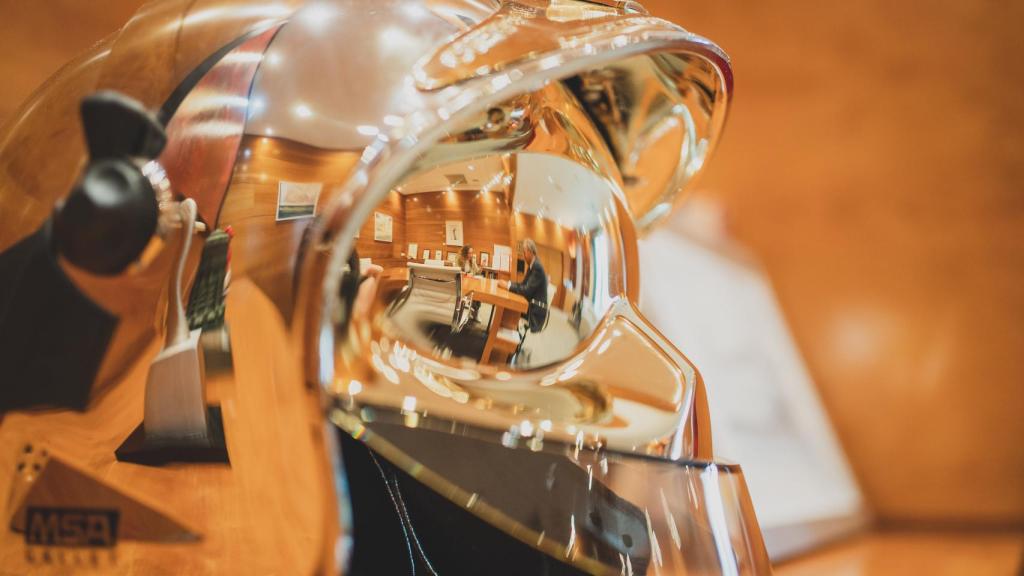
column 44, row 480
column 142, row 449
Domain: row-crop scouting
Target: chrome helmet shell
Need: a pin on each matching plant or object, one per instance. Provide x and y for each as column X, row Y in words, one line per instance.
column 587, row 121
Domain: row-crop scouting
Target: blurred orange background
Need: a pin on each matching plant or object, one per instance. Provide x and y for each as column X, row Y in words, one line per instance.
column 874, row 162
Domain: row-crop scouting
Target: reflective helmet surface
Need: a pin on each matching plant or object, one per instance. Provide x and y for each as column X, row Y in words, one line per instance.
column 349, row 149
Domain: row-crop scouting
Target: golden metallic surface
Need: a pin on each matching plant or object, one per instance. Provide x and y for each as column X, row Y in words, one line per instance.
column 576, row 374
column 45, row 131
column 589, row 96
column 662, row 113
column 166, row 40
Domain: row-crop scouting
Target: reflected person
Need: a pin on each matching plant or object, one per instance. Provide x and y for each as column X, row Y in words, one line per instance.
column 534, row 287
column 467, row 261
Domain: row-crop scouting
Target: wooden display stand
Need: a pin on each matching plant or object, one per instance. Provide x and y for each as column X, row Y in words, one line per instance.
column 178, row 426
column 47, row 481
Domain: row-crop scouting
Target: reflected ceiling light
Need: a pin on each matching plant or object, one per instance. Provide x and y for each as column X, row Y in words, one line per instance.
column 214, row 129
column 303, row 111
column 256, row 105
column 393, row 38
column 216, row 13
column 408, row 403
column 269, row 131
column 471, row 167
column 242, row 58
column 367, row 130
column 395, row 121
column 273, row 59
column 317, row 16
column 550, row 62
column 526, row 428
column 415, row 10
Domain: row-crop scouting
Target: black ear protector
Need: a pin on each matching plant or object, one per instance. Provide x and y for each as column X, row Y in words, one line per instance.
column 52, row 336
column 111, row 214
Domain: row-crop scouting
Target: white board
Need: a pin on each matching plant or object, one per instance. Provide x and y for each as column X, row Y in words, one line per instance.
column 722, row 314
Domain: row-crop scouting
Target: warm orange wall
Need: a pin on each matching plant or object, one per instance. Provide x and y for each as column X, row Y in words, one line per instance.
column 874, row 160
column 36, row 38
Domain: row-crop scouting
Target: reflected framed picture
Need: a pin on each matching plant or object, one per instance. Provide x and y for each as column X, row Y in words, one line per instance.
column 297, row 200
column 502, row 257
column 453, row 257
column 382, row 227
column 453, row 232
column 437, row 255
column 485, row 259
column 413, row 251
column 426, row 253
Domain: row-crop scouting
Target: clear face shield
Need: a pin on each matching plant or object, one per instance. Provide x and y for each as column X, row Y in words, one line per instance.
column 436, row 204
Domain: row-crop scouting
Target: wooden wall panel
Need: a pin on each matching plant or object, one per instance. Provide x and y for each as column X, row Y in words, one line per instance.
column 485, row 220
column 263, row 248
column 379, row 250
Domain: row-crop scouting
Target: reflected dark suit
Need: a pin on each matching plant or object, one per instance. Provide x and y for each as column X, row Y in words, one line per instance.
column 534, row 288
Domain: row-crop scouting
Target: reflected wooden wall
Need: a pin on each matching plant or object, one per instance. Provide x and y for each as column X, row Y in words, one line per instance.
column 873, row 161
column 380, row 251
column 263, row 248
column 555, row 246
column 485, row 220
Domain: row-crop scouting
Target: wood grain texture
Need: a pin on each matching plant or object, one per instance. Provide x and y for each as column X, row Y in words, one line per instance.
column 264, row 514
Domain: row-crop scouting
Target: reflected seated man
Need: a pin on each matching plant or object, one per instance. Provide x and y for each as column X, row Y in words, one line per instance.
column 534, row 287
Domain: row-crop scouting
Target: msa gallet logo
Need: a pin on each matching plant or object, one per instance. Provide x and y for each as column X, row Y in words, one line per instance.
column 72, row 527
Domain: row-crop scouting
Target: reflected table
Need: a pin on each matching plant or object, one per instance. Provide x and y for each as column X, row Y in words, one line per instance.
column 508, row 307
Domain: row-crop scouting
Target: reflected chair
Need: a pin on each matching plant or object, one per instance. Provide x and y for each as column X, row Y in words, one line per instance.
column 433, row 296
column 508, row 337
